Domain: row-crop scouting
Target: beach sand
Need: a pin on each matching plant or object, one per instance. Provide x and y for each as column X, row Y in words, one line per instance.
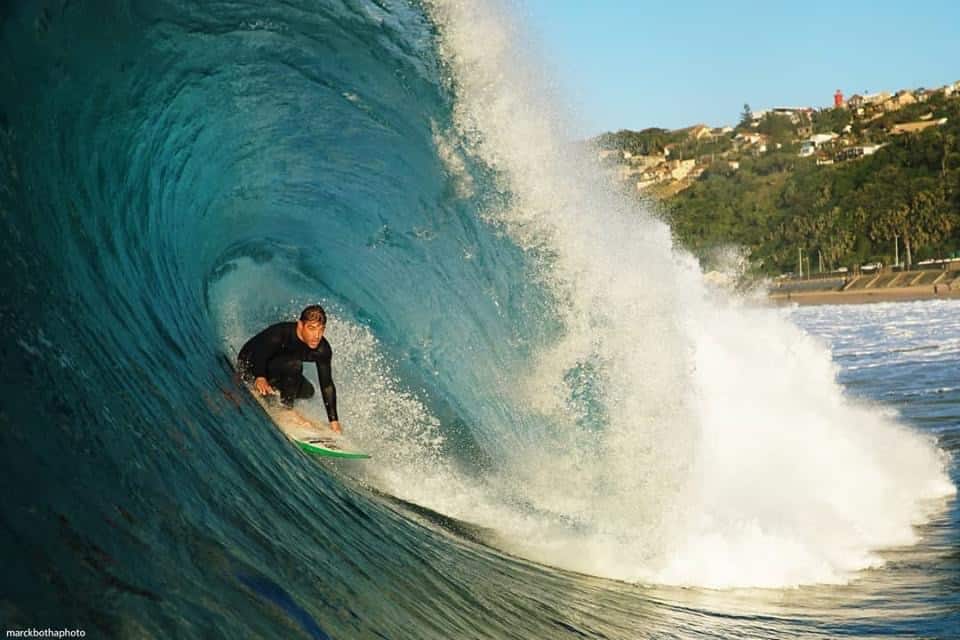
column 861, row 296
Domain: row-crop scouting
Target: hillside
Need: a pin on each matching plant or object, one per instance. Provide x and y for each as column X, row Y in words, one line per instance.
column 874, row 181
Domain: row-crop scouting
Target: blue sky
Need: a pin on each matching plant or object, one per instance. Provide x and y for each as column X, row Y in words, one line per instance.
column 626, row 64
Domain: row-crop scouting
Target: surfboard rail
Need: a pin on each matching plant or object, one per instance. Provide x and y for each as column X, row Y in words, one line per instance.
column 313, row 440
column 323, row 448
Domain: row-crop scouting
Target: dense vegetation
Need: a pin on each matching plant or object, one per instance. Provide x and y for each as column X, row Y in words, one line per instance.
column 778, row 204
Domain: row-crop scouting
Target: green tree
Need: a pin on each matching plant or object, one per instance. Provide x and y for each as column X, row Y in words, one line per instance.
column 919, row 219
column 849, row 211
column 780, row 128
column 827, row 120
column 838, row 239
column 931, row 222
column 746, row 116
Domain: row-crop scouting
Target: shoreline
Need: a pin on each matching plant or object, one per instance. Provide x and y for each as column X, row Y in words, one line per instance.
column 866, row 296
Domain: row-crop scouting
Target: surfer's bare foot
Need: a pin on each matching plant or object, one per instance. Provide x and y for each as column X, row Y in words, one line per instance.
column 335, row 426
column 302, row 421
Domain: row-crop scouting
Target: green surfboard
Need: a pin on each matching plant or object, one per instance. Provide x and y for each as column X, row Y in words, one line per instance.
column 308, row 435
column 320, row 446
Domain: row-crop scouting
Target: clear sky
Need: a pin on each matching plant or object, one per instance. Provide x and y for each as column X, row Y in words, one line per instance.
column 632, row 64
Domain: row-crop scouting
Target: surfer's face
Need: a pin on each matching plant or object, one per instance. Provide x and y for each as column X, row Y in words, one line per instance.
column 310, row 333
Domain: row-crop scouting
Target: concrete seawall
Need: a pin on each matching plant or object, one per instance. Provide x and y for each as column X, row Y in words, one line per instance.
column 881, row 287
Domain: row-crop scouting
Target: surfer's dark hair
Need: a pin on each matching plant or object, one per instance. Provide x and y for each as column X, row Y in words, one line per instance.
column 314, row 313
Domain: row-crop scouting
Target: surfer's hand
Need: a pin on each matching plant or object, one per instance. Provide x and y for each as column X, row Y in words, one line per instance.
column 335, row 426
column 263, row 387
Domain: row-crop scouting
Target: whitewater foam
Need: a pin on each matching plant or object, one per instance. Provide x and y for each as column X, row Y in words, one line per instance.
column 662, row 434
column 727, row 454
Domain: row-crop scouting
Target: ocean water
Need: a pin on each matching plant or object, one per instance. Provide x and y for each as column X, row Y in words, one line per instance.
column 573, row 436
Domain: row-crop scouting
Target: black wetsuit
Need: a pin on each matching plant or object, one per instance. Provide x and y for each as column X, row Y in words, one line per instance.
column 277, row 354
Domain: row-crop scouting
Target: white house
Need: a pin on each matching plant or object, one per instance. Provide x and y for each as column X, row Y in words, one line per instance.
column 823, row 138
column 682, row 168
column 751, row 138
column 814, row 142
column 852, row 153
column 794, row 113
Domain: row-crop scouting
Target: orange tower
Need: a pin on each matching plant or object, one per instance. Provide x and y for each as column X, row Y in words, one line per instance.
column 838, row 99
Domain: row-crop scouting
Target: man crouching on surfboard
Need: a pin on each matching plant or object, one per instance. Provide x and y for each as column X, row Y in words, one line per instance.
column 273, row 359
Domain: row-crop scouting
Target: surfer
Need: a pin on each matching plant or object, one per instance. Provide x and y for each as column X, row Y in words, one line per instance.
column 273, row 360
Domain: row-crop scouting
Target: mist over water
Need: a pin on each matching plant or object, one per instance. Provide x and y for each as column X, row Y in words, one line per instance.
column 723, row 451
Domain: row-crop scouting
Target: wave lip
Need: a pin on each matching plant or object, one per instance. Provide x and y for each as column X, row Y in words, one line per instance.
column 725, row 453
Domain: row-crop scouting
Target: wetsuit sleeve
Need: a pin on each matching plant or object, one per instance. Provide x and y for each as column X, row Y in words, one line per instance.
column 262, row 347
column 327, row 389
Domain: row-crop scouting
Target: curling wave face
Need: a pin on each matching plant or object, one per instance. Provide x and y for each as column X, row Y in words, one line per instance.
column 175, row 177
column 522, row 351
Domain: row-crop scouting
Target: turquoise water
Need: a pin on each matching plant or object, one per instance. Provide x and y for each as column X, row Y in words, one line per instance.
column 554, row 404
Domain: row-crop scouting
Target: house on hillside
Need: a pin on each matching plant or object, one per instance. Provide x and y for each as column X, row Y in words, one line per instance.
column 638, row 164
column 899, row 100
column 852, row 153
column 950, row 89
column 655, row 175
column 916, row 127
column 750, row 138
column 796, row 114
column 699, row 132
column 643, row 161
column 674, row 174
column 756, row 142
column 680, row 169
column 814, row 142
column 860, row 104
column 757, row 117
